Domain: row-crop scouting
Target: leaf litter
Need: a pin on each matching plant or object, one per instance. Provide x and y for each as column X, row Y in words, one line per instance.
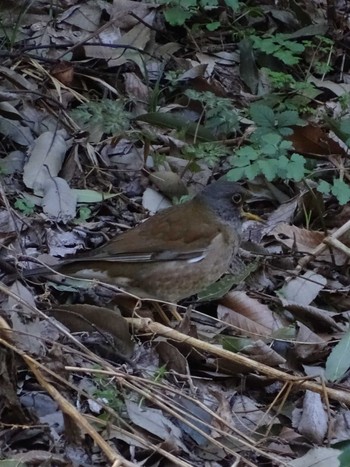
column 256, row 374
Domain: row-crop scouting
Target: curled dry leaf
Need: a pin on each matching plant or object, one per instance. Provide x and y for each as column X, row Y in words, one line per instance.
column 309, row 347
column 305, row 241
column 263, row 353
column 248, row 314
column 312, row 420
column 85, row 317
column 59, row 201
column 45, row 160
column 169, row 183
column 173, row 358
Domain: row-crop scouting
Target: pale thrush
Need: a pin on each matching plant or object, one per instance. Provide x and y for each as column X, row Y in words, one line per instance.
column 172, row 255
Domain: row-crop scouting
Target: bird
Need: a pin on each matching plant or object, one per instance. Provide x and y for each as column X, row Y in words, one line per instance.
column 174, row 254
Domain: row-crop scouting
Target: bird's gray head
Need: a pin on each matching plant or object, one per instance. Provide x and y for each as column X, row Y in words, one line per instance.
column 225, row 198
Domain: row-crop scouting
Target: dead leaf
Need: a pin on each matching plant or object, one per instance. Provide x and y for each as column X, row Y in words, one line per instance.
column 305, row 241
column 311, row 420
column 25, row 322
column 45, row 160
column 303, row 289
column 314, row 140
column 253, row 313
column 59, row 202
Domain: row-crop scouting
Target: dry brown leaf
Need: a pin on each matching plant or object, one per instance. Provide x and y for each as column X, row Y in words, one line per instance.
column 309, row 347
column 263, row 353
column 314, row 140
column 312, row 420
column 312, row 314
column 121, row 12
column 305, row 241
column 250, row 309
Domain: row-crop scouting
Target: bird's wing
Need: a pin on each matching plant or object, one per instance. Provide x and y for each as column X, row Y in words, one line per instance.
column 162, row 238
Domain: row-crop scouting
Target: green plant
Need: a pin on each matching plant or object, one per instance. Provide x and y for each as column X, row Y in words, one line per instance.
column 25, row 206
column 177, row 12
column 268, row 121
column 107, row 115
column 11, row 19
column 268, row 153
column 337, row 188
column 210, row 153
column 220, row 115
column 321, row 48
column 107, row 391
column 278, row 45
column 84, row 214
column 344, row 101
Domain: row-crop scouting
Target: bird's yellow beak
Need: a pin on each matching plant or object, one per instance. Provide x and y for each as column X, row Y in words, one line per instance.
column 251, row 217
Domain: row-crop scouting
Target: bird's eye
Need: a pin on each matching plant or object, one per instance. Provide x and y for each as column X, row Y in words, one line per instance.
column 237, row 198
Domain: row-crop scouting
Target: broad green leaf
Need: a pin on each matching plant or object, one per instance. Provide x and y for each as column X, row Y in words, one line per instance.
column 345, row 126
column 246, row 154
column 338, row 362
column 234, row 4
column 235, row 344
column 12, row 463
column 213, row 26
column 91, row 196
column 296, row 167
column 324, row 187
column 271, row 138
column 269, row 168
column 262, row 115
column 224, row 285
column 344, row 457
column 177, row 16
column 341, row 191
column 252, row 171
column 285, row 131
column 288, row 118
column 235, row 174
column 286, row 57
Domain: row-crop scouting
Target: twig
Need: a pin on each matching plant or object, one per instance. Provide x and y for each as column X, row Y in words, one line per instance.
column 147, row 325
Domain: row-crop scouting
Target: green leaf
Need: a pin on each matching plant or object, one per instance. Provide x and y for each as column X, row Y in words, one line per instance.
column 177, row 16
column 272, row 138
column 344, row 457
column 213, row 26
column 324, row 187
column 236, row 174
column 252, row 171
column 84, row 214
column 246, row 154
column 234, row 4
column 12, row 463
column 345, row 126
column 288, row 118
column 235, row 344
column 92, row 196
column 341, row 191
column 262, row 115
column 296, row 167
column 338, row 362
column 24, row 205
column 269, row 168
column 286, row 57
column 221, row 287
